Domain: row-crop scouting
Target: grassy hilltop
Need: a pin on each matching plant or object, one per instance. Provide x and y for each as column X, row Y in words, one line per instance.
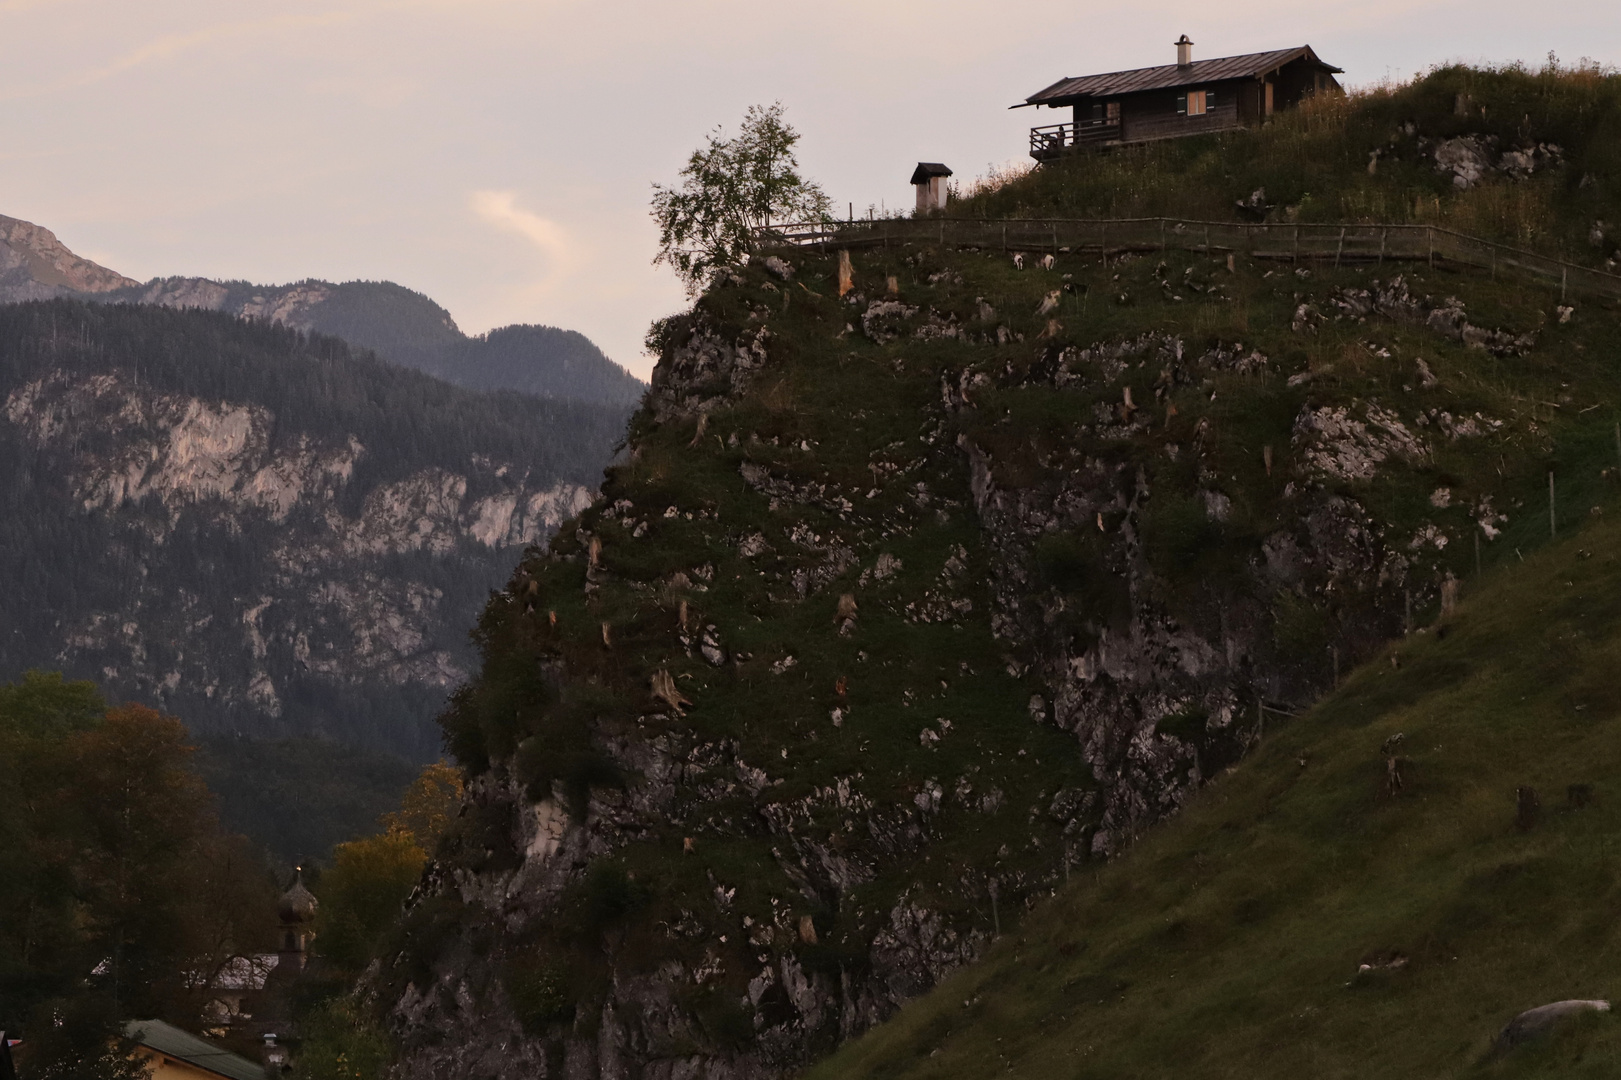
column 798, row 692
column 1370, row 157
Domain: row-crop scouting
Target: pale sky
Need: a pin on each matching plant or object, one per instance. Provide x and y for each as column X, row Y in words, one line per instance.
column 497, row 154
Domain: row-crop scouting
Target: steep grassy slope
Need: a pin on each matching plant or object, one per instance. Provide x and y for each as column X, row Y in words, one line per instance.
column 902, row 607
column 1229, row 942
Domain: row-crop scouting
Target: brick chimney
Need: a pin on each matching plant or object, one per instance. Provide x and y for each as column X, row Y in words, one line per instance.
column 1184, row 51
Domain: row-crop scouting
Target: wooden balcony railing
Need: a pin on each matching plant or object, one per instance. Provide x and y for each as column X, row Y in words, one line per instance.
column 1047, row 143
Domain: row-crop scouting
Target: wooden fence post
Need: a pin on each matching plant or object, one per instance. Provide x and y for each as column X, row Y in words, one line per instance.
column 1553, row 524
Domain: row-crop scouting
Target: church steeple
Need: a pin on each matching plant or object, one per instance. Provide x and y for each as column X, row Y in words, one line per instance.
column 296, row 909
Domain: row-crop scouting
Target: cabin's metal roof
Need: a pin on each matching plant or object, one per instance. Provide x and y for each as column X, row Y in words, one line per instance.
column 927, row 169
column 1170, row 76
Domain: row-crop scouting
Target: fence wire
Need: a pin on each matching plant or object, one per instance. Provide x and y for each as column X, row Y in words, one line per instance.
column 1295, row 242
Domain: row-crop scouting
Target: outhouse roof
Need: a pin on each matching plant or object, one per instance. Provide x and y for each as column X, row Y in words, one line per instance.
column 926, row 170
column 1170, row 76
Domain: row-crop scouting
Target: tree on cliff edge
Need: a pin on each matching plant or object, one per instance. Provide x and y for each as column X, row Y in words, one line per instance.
column 728, row 189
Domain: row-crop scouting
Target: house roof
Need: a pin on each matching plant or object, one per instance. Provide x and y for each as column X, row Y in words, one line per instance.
column 184, row 1046
column 1170, row 76
column 928, row 169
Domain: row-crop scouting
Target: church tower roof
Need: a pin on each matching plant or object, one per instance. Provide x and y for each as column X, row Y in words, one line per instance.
column 297, row 904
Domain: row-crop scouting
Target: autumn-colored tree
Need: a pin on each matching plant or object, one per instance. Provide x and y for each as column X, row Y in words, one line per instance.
column 361, row 897
column 119, row 894
column 429, row 805
column 362, row 892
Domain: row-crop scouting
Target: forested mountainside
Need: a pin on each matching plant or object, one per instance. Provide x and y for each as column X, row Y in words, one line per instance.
column 402, row 326
column 260, row 530
column 921, row 592
column 407, row 328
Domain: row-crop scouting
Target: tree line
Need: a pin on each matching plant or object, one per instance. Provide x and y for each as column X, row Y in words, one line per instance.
column 122, row 897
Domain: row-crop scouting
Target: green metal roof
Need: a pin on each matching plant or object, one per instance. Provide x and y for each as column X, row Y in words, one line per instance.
column 184, row 1046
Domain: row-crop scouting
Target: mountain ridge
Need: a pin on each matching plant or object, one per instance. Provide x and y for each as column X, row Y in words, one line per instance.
column 403, row 326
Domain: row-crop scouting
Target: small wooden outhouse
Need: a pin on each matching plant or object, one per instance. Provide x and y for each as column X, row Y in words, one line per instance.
column 930, row 180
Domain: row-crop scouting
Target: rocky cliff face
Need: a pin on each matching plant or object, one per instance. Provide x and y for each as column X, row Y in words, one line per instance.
column 165, row 458
column 262, row 562
column 901, row 607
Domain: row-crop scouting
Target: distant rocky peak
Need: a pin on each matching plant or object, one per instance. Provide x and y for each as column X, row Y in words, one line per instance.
column 34, row 264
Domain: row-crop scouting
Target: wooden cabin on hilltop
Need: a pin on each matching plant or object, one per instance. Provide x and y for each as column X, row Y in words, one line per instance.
column 1185, row 98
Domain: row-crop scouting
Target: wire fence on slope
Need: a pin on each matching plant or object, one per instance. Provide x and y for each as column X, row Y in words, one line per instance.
column 1294, row 242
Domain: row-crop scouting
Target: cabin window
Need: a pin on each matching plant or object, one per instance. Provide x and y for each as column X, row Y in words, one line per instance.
column 1195, row 103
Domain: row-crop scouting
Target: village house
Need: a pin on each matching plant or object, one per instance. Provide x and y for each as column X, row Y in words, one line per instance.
column 251, row 995
column 169, row 1053
column 1188, row 97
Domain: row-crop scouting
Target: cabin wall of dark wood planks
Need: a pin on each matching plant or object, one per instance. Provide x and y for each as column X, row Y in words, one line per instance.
column 1155, row 116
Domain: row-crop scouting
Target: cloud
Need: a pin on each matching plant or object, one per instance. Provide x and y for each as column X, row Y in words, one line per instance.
column 500, row 209
column 170, row 46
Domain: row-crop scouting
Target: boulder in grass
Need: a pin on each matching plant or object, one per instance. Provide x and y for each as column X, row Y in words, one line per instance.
column 1533, row 1023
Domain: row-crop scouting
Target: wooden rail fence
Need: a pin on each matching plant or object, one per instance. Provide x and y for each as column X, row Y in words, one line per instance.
column 1294, row 242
